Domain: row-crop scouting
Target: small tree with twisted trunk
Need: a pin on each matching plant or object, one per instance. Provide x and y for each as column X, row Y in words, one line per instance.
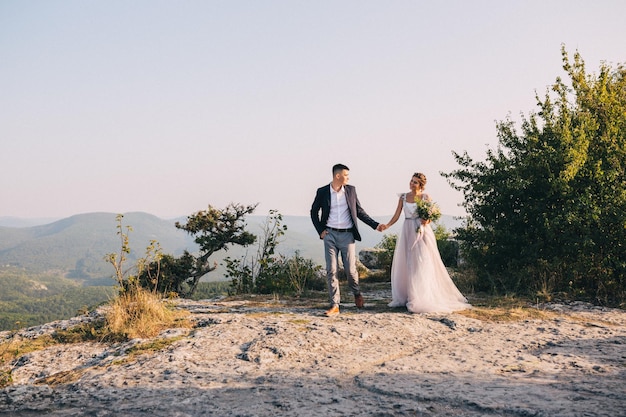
column 213, row 230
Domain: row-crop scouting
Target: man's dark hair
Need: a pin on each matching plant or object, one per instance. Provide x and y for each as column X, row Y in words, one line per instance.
column 338, row 168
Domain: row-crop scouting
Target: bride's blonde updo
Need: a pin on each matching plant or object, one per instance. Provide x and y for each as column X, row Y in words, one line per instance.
column 421, row 179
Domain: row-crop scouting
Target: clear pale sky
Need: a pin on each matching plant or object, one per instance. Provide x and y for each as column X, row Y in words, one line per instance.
column 169, row 106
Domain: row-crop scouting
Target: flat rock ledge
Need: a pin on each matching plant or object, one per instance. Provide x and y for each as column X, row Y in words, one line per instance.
column 247, row 359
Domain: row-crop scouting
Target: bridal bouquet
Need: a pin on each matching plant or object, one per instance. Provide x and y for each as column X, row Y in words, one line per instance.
column 426, row 210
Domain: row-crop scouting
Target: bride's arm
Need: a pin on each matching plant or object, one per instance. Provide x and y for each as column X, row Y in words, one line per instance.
column 396, row 215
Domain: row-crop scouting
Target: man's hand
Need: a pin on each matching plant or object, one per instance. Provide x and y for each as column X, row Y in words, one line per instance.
column 323, row 234
column 381, row 227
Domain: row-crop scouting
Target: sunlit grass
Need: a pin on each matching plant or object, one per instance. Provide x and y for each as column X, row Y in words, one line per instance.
column 142, row 314
column 504, row 309
column 63, row 377
column 14, row 348
column 152, row 346
column 133, row 314
column 504, row 314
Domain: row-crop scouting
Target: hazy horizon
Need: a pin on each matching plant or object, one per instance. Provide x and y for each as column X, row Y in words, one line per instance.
column 166, row 107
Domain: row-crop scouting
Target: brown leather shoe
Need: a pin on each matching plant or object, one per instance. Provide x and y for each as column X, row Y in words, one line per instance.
column 358, row 300
column 333, row 311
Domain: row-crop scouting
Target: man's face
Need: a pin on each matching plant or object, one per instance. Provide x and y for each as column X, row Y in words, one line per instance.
column 343, row 177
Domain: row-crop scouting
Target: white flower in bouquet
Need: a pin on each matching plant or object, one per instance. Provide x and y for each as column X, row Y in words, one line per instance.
column 426, row 210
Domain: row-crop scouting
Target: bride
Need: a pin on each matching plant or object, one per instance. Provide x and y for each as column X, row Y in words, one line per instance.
column 419, row 279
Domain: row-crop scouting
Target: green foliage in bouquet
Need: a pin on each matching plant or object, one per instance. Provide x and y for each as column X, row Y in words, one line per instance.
column 427, row 210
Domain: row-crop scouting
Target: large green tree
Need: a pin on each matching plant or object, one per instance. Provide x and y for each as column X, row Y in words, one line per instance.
column 547, row 208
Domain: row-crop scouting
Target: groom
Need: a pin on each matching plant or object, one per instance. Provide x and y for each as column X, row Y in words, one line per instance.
column 337, row 226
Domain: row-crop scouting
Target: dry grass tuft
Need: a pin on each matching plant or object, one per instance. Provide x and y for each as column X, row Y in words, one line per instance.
column 61, row 378
column 503, row 314
column 15, row 347
column 142, row 314
column 133, row 314
column 152, row 346
column 504, row 309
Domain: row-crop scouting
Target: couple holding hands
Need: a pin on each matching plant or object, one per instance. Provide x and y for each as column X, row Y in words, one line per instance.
column 419, row 279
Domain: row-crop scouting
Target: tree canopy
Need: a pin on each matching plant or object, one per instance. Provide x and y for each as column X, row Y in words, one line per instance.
column 547, row 208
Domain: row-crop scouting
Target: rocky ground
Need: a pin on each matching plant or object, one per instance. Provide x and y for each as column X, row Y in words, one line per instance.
column 247, row 358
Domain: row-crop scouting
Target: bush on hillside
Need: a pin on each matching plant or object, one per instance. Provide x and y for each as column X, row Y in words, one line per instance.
column 547, row 208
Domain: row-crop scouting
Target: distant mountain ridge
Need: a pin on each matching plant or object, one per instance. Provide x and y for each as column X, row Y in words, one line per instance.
column 78, row 244
column 49, row 271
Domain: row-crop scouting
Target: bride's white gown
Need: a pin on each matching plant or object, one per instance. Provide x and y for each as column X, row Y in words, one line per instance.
column 419, row 279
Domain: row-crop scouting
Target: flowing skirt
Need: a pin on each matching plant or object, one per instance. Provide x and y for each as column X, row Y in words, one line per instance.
column 419, row 279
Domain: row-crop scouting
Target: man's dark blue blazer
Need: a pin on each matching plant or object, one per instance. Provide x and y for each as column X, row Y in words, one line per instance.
column 322, row 202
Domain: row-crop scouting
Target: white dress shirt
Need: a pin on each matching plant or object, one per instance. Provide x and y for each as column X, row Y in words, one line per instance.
column 339, row 216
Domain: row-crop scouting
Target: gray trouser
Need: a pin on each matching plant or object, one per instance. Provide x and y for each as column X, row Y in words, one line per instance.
column 336, row 243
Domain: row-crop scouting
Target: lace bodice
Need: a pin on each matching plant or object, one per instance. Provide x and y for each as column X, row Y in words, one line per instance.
column 409, row 208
